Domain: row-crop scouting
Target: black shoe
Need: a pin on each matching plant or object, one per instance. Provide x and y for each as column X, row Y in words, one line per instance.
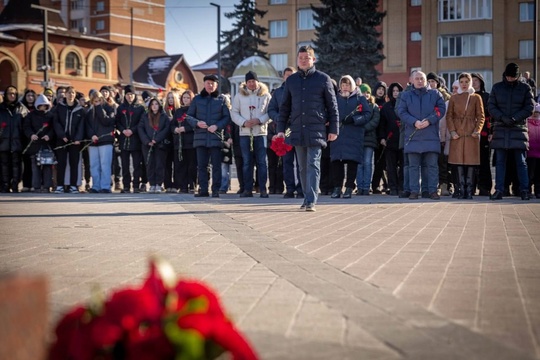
column 288, row 195
column 300, row 195
column 483, row 192
column 393, row 193
column 525, row 195
column 246, row 194
column 497, row 195
column 124, row 191
column 202, row 194
column 347, row 194
column 426, row 195
column 336, row 194
column 215, row 194
column 376, row 191
column 105, row 191
column 94, row 191
column 434, row 196
column 240, row 191
column 413, row 196
column 264, row 195
column 404, row 194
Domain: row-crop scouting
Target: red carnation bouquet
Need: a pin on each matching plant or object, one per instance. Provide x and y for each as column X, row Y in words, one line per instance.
column 280, row 147
column 164, row 318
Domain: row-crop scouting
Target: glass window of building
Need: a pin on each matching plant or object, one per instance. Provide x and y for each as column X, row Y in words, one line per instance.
column 278, row 29
column 526, row 11
column 72, row 61
column 100, row 6
column 526, row 49
column 40, row 61
column 416, row 2
column 416, row 36
column 99, row 65
column 279, row 61
column 277, row 2
column 452, row 10
column 464, row 45
column 306, row 19
column 100, row 25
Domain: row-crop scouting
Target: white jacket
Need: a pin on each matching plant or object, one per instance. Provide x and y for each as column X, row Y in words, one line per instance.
column 258, row 100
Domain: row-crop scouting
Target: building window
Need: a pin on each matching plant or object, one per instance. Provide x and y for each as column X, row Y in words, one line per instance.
column 72, row 61
column 306, row 20
column 100, row 6
column 99, row 65
column 464, row 45
column 451, row 76
column 100, row 25
column 277, row 2
column 278, row 29
column 77, row 4
column 416, row 36
column 416, row 2
column 526, row 49
column 451, row 10
column 76, row 24
column 40, row 61
column 526, row 11
column 279, row 61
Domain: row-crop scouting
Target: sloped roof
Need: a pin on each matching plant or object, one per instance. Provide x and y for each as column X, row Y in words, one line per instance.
column 21, row 12
column 140, row 55
column 155, row 70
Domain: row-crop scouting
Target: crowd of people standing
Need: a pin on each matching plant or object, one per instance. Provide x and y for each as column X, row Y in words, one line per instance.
column 340, row 139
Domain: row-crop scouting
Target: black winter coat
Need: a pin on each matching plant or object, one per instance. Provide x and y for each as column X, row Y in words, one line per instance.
column 350, row 143
column 308, row 103
column 390, row 125
column 178, row 120
column 68, row 123
column 128, row 117
column 370, row 137
column 32, row 124
column 11, row 129
column 98, row 122
column 513, row 99
column 147, row 133
column 212, row 109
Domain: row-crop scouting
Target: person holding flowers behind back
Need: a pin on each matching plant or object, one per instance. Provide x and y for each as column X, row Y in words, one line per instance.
column 68, row 123
column 153, row 130
column 99, row 128
column 38, row 129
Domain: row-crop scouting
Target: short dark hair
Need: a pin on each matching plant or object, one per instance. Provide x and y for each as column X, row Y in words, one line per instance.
column 307, row 49
column 289, row 68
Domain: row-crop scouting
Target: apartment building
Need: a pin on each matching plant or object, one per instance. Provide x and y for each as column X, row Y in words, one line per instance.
column 443, row 36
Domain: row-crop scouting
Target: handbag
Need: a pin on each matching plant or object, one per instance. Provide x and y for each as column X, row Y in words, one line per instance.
column 45, row 156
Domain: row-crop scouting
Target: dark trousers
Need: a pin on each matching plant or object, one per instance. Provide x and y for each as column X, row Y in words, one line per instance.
column 291, row 175
column 127, row 178
column 27, row 171
column 63, row 155
column 378, row 170
column 485, row 181
column 11, row 169
column 204, row 156
column 41, row 175
column 326, row 171
column 239, row 163
column 155, row 165
column 275, row 172
column 394, row 168
column 338, row 173
column 116, row 161
column 533, row 166
column 86, row 167
column 169, row 170
column 185, row 171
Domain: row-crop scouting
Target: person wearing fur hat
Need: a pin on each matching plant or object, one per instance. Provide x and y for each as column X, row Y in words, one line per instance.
column 250, row 113
column 209, row 115
column 348, row 148
column 41, row 136
column 484, row 180
column 465, row 118
column 510, row 104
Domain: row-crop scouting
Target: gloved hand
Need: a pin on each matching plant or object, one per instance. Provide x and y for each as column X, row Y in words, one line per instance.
column 507, row 120
column 348, row 119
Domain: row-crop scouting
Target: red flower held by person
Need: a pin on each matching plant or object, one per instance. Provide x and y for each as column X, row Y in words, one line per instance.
column 437, row 111
column 4, row 125
column 359, row 108
column 390, row 134
column 280, row 147
column 124, row 111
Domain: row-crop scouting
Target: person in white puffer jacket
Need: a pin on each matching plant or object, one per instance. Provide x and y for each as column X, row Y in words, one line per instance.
column 250, row 113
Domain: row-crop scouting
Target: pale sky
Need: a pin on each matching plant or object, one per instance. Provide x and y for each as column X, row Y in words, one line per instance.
column 191, row 27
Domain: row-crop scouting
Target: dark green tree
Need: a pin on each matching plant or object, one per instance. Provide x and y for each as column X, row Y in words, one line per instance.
column 347, row 40
column 244, row 39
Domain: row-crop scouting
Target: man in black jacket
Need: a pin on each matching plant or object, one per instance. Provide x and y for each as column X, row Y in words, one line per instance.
column 308, row 104
column 510, row 104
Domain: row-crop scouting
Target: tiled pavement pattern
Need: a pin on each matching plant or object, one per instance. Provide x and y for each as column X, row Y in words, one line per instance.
column 363, row 278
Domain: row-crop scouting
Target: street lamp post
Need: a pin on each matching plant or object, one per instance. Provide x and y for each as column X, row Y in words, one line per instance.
column 45, row 41
column 219, row 43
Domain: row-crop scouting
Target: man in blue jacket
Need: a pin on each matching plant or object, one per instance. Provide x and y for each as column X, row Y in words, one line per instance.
column 308, row 104
column 420, row 110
